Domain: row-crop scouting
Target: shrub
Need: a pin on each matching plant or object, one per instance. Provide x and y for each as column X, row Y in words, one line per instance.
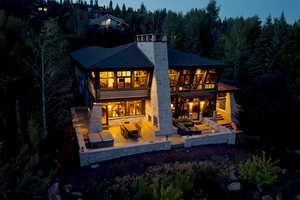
column 259, row 170
column 177, row 181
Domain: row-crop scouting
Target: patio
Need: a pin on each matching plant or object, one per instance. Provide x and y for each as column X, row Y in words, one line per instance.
column 110, row 144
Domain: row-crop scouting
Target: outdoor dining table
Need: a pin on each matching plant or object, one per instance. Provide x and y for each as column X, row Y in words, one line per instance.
column 131, row 130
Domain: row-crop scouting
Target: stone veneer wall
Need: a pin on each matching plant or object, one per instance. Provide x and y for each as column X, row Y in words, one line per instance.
column 222, row 136
column 217, row 138
column 159, row 106
column 93, row 156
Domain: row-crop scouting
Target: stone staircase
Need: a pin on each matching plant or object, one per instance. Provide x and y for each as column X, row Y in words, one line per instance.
column 219, row 117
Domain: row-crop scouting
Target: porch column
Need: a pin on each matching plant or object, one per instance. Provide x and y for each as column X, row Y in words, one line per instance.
column 95, row 121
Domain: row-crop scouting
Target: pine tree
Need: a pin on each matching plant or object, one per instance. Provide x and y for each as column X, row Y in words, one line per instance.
column 110, row 7
column 124, row 11
column 48, row 61
column 117, row 11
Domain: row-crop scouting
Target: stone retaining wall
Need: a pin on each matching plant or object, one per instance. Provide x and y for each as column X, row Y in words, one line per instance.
column 217, row 138
column 98, row 155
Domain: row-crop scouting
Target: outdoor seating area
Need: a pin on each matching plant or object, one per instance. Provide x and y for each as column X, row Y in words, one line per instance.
column 130, row 130
column 188, row 127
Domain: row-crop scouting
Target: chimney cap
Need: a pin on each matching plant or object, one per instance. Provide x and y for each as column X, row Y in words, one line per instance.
column 151, row 38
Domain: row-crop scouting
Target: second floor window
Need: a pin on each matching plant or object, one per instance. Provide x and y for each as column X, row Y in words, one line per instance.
column 140, row 79
column 121, row 79
column 185, row 79
column 211, row 79
column 199, row 79
column 107, row 80
column 124, row 79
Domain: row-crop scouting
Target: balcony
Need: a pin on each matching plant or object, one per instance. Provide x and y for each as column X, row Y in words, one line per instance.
column 122, row 94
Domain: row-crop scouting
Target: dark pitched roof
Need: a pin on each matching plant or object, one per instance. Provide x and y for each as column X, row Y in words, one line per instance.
column 122, row 57
column 179, row 59
column 223, row 87
column 129, row 56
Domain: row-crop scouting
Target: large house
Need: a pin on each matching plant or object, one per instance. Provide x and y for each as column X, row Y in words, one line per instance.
column 163, row 96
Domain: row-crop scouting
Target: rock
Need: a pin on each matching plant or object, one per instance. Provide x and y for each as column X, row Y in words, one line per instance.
column 297, row 197
column 232, row 173
column 283, row 171
column 279, row 196
column 267, row 197
column 53, row 192
column 235, row 186
column 94, row 166
column 67, row 188
column 79, row 194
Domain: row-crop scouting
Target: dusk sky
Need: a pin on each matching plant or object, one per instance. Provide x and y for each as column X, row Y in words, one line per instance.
column 229, row 8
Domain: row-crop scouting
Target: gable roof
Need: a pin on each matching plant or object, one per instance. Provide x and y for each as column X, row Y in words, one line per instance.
column 122, row 57
column 129, row 56
column 100, row 18
column 179, row 59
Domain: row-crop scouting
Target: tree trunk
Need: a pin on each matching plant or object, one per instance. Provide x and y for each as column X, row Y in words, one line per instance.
column 18, row 118
column 44, row 116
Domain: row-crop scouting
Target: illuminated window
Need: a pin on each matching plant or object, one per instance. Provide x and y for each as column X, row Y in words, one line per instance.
column 199, row 79
column 40, row 9
column 107, row 80
column 173, row 76
column 211, row 79
column 140, row 79
column 45, row 9
column 185, row 79
column 126, row 108
column 124, row 79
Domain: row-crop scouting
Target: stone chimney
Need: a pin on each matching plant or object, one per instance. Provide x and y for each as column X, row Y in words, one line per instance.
column 158, row 108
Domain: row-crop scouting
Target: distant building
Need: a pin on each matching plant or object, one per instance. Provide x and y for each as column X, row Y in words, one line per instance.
column 100, row 19
column 37, row 10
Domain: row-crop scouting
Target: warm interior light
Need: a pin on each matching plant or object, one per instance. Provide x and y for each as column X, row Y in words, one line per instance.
column 190, row 107
column 172, row 105
column 40, row 9
column 45, row 9
column 93, row 75
column 201, row 105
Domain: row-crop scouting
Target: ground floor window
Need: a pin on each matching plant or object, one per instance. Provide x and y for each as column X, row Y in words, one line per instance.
column 125, row 108
column 191, row 108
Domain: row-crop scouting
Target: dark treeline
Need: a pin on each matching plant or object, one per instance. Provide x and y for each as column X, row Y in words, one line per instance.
column 36, row 86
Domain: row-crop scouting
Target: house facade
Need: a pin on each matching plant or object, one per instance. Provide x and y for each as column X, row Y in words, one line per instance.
column 148, row 83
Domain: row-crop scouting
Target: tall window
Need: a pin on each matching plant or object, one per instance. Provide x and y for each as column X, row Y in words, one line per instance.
column 173, row 77
column 140, row 79
column 199, row 79
column 185, row 79
column 211, row 79
column 107, row 80
column 124, row 79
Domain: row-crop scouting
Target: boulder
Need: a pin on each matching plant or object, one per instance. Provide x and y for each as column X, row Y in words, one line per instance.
column 267, row 197
column 235, row 186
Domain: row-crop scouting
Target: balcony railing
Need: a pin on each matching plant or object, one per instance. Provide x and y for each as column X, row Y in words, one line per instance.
column 206, row 86
column 107, row 95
